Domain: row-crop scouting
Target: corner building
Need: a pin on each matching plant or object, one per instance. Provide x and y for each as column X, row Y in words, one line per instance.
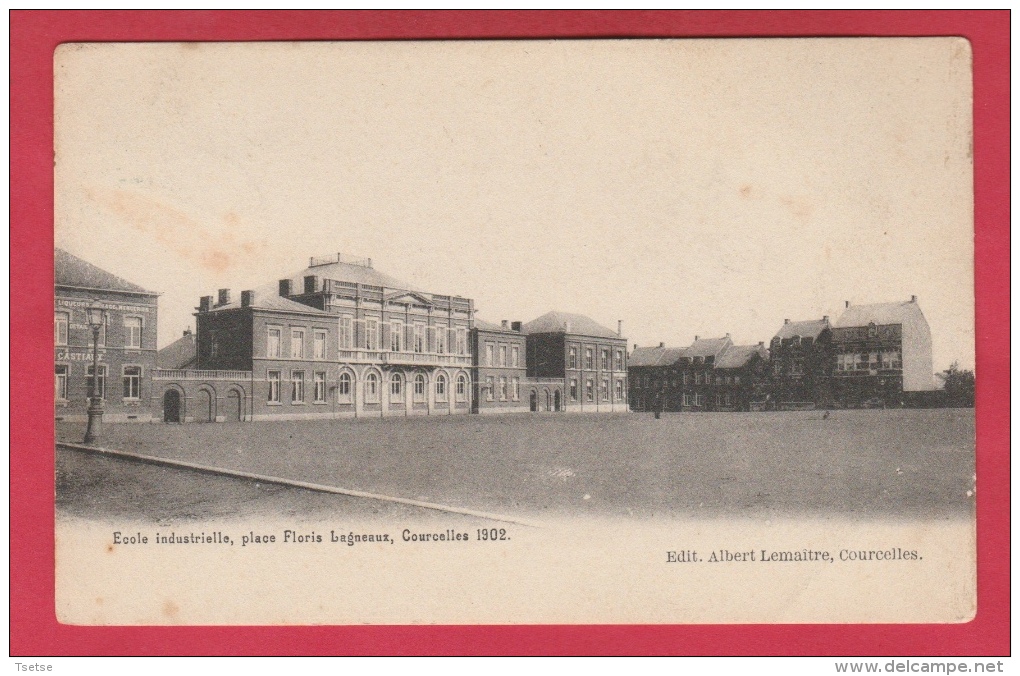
column 127, row 342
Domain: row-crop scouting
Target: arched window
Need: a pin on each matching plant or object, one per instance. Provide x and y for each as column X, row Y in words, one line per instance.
column 461, row 387
column 419, row 387
column 395, row 387
column 440, row 387
column 372, row 388
column 343, row 391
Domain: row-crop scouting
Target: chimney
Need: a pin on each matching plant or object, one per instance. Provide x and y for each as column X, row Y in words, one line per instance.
column 660, row 345
column 224, row 298
column 205, row 304
column 247, row 298
column 311, row 284
column 635, row 346
column 619, row 327
column 847, row 303
column 285, row 287
column 913, row 299
column 369, row 262
column 825, row 318
column 516, row 326
column 187, row 332
column 566, row 326
column 728, row 335
column 786, row 321
column 697, row 338
column 761, row 343
column 504, row 323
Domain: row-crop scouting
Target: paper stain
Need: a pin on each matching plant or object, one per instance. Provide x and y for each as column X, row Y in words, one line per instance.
column 171, row 610
column 214, row 246
column 800, row 207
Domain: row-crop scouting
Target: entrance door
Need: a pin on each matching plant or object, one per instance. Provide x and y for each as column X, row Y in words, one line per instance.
column 534, row 401
column 556, row 401
column 234, row 410
column 171, row 406
column 204, row 407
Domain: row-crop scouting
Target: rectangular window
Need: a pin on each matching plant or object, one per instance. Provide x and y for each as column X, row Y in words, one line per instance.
column 61, row 382
column 371, row 334
column 797, row 367
column 589, row 359
column 419, row 337
column 619, row 390
column 133, row 332
column 516, row 389
column 736, row 380
column 502, row 356
column 573, row 389
column 102, row 381
column 297, row 343
column 273, row 377
column 60, row 328
column 684, row 379
column 718, row 400
column 214, row 344
column 132, row 382
column 461, row 388
column 605, row 360
column 687, row 399
column 396, row 336
column 619, row 360
column 502, row 388
column 346, row 332
column 589, row 390
column 490, row 350
column 319, row 345
column 515, row 356
column 297, row 387
column 461, row 341
column 698, row 399
column 604, row 390
column 273, row 343
column 319, row 379
column 441, row 332
column 572, row 358
column 697, row 378
column 490, row 388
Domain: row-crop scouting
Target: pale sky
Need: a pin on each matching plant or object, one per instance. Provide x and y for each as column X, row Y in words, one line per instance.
column 685, row 187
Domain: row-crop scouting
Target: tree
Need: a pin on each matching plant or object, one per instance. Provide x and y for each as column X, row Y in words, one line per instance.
column 959, row 386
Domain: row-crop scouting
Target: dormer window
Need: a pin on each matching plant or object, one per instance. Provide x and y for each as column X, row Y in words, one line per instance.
column 872, row 330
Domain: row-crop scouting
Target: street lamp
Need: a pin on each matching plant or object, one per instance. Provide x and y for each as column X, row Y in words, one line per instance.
column 96, row 317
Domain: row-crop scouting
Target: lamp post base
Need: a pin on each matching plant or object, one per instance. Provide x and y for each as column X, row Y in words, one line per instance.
column 95, row 424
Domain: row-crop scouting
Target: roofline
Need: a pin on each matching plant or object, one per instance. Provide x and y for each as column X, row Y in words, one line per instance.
column 575, row 333
column 57, row 285
column 311, row 311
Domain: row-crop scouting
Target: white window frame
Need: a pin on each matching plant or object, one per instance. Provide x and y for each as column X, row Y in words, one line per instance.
column 419, row 337
column 345, row 340
column 270, row 330
column 294, row 340
column 604, row 390
column 396, row 388
column 396, row 336
column 573, row 389
column 319, row 341
column 440, row 387
column 297, row 386
column 572, row 357
column 490, row 388
column 503, row 355
column 371, row 333
column 319, row 387
column 344, row 386
column 419, row 387
column 515, row 389
column 136, row 378
column 372, row 388
column 589, row 390
column 273, row 396
column 461, row 388
column 442, row 334
column 129, row 332
column 61, row 326
column 490, row 354
column 503, row 388
column 103, row 373
column 589, row 359
column 60, row 374
column 515, row 356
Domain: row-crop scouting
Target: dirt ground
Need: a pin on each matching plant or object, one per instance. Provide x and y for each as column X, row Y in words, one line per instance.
column 876, row 463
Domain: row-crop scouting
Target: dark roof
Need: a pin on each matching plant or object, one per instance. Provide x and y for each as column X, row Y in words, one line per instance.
column 483, row 325
column 180, row 354
column 811, row 328
column 568, row 322
column 707, row 347
column 269, row 298
column 737, row 356
column 349, row 272
column 656, row 356
column 878, row 313
column 69, row 270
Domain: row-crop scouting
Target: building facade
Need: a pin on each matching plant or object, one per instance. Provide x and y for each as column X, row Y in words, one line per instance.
column 575, row 365
column 500, row 372
column 127, row 342
column 801, row 364
column 882, row 355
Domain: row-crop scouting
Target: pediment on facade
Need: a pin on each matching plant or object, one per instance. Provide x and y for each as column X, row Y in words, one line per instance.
column 405, row 297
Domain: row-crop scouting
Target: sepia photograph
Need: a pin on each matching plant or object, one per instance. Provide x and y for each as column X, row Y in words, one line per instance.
column 660, row 331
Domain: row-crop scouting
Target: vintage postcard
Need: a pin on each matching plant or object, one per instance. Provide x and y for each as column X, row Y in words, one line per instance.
column 514, row 332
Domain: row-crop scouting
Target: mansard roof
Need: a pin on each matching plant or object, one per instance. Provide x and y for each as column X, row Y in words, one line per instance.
column 880, row 313
column 811, row 328
column 568, row 322
column 69, row 270
column 350, row 272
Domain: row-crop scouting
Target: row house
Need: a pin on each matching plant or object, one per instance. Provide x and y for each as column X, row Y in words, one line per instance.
column 712, row 374
column 499, row 370
column 126, row 342
column 801, row 365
